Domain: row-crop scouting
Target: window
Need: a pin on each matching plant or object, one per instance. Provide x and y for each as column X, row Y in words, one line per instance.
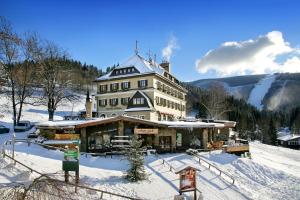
column 293, row 142
column 142, row 83
column 125, row 85
column 102, row 102
column 113, row 102
column 142, row 116
column 103, row 88
column 138, row 101
column 157, row 100
column 114, row 86
column 164, row 102
column 124, row 101
column 159, row 86
column 165, row 141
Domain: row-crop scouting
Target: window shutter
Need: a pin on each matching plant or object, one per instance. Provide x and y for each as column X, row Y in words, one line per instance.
column 128, row 85
column 146, row 83
column 122, row 86
column 117, row 101
column 139, row 83
column 111, row 86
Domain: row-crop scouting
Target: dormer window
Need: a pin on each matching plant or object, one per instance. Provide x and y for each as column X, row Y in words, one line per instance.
column 138, row 101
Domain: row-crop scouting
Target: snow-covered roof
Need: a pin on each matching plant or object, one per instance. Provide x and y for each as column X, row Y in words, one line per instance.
column 288, row 137
column 142, row 65
column 67, row 123
column 59, row 142
column 92, row 122
column 182, row 124
column 137, row 109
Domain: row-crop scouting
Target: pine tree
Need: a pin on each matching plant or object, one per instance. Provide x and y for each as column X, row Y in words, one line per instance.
column 135, row 157
column 272, row 132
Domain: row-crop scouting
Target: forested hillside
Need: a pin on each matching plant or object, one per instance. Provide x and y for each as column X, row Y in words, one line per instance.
column 215, row 102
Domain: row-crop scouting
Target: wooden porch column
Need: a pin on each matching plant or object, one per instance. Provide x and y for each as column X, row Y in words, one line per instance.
column 120, row 128
column 204, row 138
column 83, row 138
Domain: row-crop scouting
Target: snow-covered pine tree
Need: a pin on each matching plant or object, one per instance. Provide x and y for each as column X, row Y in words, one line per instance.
column 135, row 156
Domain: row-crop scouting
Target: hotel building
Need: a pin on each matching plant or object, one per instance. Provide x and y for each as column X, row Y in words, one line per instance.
column 143, row 89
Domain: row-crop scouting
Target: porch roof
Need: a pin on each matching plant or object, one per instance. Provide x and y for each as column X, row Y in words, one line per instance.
column 99, row 121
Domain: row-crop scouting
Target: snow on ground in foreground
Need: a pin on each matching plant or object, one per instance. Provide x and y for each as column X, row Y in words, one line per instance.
column 260, row 90
column 272, row 173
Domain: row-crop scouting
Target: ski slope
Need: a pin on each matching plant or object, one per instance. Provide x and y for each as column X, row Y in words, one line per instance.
column 260, row 90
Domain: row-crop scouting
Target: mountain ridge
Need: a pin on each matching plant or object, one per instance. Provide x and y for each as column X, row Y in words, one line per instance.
column 283, row 92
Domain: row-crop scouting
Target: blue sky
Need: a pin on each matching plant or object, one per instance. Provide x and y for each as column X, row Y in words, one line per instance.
column 103, row 33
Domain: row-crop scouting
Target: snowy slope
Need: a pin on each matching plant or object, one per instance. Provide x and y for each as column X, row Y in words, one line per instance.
column 39, row 113
column 273, row 173
column 260, row 90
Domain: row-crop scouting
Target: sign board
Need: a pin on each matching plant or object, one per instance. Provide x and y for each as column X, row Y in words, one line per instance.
column 69, row 165
column 141, row 131
column 179, row 139
column 187, row 179
column 71, row 154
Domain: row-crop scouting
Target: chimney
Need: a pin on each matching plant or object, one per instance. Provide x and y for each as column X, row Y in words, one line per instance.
column 166, row 66
column 88, row 106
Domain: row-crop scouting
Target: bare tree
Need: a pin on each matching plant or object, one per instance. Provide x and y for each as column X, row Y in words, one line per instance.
column 215, row 101
column 9, row 55
column 42, row 187
column 55, row 78
column 17, row 67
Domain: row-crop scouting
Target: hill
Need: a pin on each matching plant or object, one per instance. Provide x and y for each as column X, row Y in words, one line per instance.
column 269, row 92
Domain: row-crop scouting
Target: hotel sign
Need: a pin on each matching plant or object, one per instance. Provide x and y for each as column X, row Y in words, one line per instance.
column 141, row 131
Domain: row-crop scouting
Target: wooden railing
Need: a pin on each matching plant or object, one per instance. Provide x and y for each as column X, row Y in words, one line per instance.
column 211, row 166
column 102, row 192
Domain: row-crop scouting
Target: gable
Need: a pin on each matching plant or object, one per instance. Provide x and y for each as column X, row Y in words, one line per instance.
column 139, row 99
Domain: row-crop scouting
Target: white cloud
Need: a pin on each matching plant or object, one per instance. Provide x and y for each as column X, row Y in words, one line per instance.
column 171, row 46
column 251, row 57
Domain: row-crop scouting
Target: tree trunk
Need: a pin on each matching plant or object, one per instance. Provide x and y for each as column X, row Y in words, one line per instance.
column 51, row 115
column 14, row 102
column 51, row 109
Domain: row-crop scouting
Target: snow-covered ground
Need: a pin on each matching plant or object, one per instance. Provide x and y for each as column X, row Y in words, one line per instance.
column 260, row 90
column 272, row 173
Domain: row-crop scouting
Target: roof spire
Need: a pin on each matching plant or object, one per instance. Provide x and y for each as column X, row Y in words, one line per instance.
column 136, row 51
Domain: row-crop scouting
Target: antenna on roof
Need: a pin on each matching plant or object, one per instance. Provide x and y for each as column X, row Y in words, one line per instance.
column 149, row 56
column 136, row 51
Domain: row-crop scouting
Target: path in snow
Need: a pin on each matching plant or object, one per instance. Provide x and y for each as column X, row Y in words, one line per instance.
column 210, row 184
column 260, row 90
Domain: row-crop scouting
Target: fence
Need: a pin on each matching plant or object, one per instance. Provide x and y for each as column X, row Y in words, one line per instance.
column 102, row 192
column 210, row 166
